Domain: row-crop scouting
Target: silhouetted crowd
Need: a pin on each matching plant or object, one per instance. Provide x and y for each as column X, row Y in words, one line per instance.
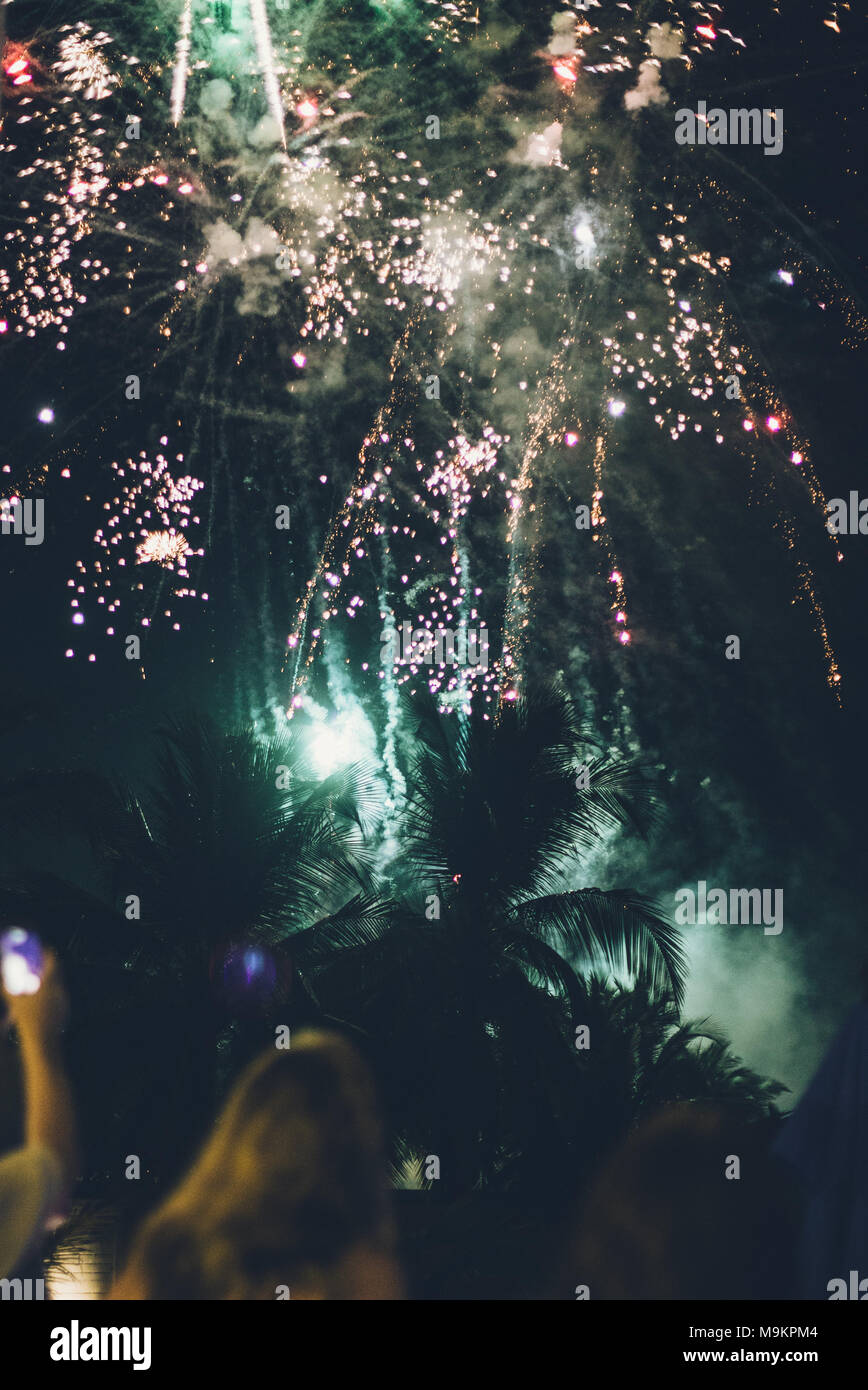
column 289, row 1196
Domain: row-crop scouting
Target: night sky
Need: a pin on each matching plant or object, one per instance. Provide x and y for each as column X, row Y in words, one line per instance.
column 269, row 383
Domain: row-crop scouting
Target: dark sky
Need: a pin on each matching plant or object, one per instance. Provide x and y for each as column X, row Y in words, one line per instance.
column 765, row 773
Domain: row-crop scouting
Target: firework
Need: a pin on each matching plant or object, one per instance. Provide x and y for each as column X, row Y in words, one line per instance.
column 182, row 60
column 275, row 223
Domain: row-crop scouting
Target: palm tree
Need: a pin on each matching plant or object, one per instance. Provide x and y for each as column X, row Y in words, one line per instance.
column 230, row 847
column 234, row 840
column 642, row 1056
column 471, row 986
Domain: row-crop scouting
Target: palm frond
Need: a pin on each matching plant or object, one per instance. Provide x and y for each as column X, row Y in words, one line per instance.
column 620, row 928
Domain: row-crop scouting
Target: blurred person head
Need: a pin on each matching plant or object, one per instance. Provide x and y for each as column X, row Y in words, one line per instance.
column 288, row 1196
column 689, row 1207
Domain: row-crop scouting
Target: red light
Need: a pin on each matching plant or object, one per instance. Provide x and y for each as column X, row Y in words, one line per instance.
column 16, row 64
column 565, row 71
column 706, row 31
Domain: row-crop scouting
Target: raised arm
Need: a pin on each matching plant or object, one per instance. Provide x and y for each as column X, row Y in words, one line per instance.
column 49, row 1113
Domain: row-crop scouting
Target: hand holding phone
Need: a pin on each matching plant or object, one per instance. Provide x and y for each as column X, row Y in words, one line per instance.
column 22, row 961
column 32, row 988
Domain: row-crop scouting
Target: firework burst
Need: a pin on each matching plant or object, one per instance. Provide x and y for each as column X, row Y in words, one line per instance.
column 510, row 305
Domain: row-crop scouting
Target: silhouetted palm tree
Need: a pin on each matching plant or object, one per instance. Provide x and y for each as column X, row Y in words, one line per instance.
column 640, row 1058
column 642, row 1055
column 472, row 986
column 194, row 882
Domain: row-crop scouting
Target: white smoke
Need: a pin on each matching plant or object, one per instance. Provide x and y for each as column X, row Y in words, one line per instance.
column 541, row 147
column 260, row 239
column 664, row 43
column 265, row 132
column 756, row 994
column 563, row 38
column 215, row 98
column 254, row 255
column 649, row 90
column 225, row 244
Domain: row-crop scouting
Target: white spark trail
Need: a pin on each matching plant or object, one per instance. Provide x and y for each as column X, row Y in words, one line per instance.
column 182, row 56
column 265, row 50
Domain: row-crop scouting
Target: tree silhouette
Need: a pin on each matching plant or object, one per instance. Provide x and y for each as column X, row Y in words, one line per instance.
column 471, row 983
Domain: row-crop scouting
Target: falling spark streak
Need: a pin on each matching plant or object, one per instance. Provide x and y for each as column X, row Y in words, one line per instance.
column 182, row 55
column 327, row 559
column 266, row 58
column 450, row 256
column 523, row 526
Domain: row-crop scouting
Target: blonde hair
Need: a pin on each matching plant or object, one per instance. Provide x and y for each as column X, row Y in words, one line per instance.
column 286, row 1191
